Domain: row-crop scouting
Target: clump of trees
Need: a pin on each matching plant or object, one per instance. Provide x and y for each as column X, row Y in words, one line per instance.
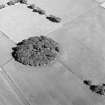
column 96, row 88
column 36, row 51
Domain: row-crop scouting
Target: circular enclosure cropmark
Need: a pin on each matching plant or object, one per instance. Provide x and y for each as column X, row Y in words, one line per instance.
column 36, row 51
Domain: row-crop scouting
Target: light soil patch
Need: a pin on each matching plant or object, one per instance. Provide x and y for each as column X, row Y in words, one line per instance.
column 83, row 43
column 19, row 23
column 52, row 85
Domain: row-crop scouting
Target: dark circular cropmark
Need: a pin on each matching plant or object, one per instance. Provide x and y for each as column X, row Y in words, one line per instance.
column 36, row 51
